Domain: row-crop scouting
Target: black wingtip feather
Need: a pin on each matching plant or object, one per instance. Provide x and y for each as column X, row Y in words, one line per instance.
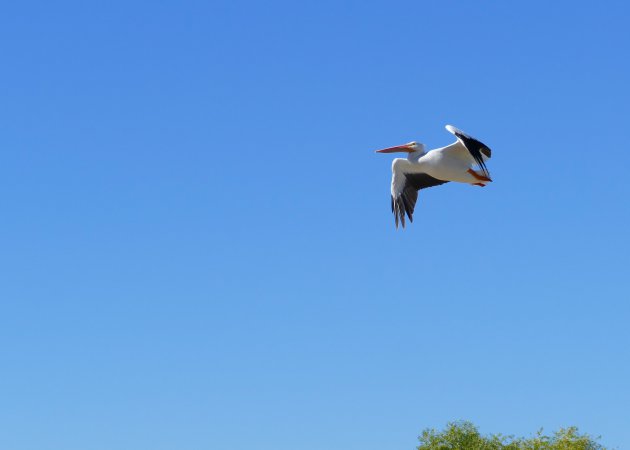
column 476, row 149
column 400, row 208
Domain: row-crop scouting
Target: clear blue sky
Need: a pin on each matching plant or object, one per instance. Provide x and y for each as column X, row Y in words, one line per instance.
column 197, row 245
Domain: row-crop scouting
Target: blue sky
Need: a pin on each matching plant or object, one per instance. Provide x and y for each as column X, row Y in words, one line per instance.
column 197, row 246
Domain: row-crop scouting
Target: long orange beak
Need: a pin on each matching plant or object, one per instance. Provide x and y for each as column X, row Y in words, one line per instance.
column 398, row 149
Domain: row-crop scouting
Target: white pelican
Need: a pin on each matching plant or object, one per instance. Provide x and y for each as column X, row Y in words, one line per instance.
column 422, row 169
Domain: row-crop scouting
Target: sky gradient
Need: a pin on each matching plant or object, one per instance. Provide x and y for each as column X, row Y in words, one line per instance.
column 197, row 244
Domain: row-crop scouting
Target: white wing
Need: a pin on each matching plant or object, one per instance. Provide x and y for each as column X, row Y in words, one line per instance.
column 406, row 182
column 468, row 147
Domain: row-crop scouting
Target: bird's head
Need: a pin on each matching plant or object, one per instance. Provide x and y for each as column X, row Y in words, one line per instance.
column 413, row 149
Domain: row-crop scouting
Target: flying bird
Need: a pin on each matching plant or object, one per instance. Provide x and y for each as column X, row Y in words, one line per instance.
column 422, row 169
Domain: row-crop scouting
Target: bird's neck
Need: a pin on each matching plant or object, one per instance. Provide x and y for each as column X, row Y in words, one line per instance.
column 415, row 156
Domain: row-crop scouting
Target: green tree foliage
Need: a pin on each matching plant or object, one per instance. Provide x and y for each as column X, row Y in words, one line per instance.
column 465, row 436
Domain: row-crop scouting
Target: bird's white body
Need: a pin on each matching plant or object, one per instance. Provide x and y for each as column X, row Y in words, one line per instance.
column 422, row 169
column 450, row 163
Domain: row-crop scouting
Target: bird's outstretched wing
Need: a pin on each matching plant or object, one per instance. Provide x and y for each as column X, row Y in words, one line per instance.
column 405, row 187
column 478, row 150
